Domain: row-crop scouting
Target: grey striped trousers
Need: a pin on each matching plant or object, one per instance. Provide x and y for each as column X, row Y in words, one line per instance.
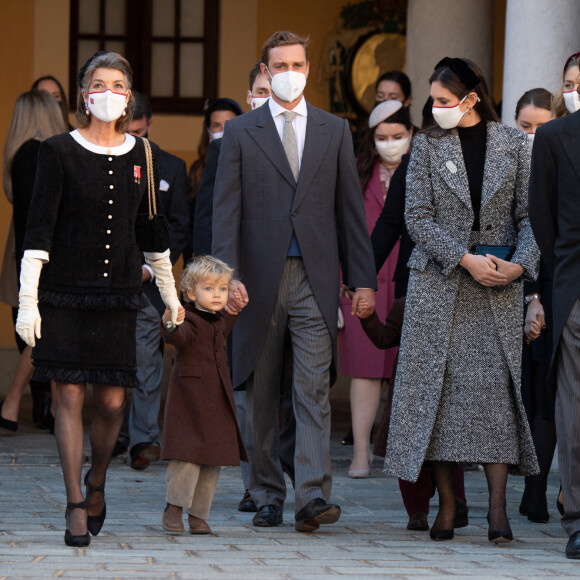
column 568, row 418
column 296, row 309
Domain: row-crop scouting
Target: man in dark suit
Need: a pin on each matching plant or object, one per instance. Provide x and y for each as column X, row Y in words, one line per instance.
column 555, row 218
column 287, row 211
column 141, row 430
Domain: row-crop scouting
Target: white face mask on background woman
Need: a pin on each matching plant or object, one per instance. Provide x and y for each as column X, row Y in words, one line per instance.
column 572, row 100
column 392, row 151
column 288, row 85
column 214, row 136
column 449, row 117
column 107, row 106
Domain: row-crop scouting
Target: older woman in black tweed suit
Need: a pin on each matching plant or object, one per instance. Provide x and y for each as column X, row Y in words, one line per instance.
column 80, row 280
column 457, row 394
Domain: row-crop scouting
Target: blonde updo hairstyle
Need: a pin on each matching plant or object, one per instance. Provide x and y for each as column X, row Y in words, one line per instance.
column 198, row 269
column 104, row 59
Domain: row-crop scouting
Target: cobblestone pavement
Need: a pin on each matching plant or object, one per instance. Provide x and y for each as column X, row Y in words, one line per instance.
column 369, row 541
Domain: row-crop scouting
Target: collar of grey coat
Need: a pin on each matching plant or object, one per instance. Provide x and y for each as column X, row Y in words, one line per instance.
column 498, row 161
column 318, row 133
column 570, row 138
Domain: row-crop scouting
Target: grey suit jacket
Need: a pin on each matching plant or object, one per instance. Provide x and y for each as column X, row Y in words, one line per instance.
column 258, row 204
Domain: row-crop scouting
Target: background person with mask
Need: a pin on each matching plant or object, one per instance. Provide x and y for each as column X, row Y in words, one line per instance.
column 216, row 113
column 567, row 100
column 534, row 109
column 292, row 169
column 140, row 431
column 258, row 94
column 379, row 156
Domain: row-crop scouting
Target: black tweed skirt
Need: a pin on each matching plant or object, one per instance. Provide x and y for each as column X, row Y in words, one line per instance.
column 86, row 346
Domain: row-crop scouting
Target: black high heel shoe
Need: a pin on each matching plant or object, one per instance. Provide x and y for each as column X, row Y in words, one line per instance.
column 69, row 539
column 441, row 534
column 6, row 423
column 499, row 536
column 95, row 523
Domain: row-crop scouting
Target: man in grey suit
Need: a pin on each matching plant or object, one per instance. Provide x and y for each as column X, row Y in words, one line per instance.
column 288, row 210
column 555, row 217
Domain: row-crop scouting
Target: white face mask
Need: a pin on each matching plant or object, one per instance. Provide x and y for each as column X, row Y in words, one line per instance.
column 106, row 106
column 288, row 85
column 214, row 136
column 256, row 102
column 572, row 100
column 392, row 151
column 449, row 117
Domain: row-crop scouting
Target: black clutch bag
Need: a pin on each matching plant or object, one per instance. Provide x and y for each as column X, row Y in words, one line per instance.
column 151, row 229
column 501, row 252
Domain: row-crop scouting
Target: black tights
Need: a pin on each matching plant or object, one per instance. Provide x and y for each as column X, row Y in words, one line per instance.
column 496, row 475
column 105, row 427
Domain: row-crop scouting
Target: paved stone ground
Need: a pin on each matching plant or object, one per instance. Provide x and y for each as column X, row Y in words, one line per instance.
column 369, row 541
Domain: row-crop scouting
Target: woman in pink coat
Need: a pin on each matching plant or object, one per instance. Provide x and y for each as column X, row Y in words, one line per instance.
column 382, row 145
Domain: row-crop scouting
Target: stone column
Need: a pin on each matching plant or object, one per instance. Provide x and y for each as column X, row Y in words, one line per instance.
column 540, row 36
column 439, row 28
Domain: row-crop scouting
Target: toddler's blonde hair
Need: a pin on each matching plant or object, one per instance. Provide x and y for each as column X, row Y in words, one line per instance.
column 199, row 269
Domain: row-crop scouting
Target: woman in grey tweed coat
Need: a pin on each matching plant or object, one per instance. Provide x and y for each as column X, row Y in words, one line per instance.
column 457, row 392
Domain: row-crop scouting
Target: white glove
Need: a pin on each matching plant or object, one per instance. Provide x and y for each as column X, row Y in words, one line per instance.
column 28, row 321
column 166, row 284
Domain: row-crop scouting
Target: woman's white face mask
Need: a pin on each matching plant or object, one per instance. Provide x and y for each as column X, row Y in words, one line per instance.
column 392, row 151
column 449, row 117
column 214, row 136
column 107, row 106
column 572, row 100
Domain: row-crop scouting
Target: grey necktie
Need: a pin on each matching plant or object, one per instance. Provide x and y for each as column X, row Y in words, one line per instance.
column 289, row 143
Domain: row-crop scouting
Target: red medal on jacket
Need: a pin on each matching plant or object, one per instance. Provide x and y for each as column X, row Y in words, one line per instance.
column 137, row 173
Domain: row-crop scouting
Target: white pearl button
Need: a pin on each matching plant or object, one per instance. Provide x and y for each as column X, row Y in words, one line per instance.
column 108, row 231
column 107, row 247
column 110, row 159
column 111, row 172
column 106, row 261
column 110, row 202
column 110, row 217
column 111, row 187
column 105, row 275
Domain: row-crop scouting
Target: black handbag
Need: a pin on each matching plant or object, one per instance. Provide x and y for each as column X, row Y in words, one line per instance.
column 501, row 252
column 151, row 229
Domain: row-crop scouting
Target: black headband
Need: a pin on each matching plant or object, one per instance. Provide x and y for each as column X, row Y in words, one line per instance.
column 462, row 70
column 83, row 70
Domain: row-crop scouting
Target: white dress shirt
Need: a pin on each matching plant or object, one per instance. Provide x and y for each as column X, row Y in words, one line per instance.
column 298, row 123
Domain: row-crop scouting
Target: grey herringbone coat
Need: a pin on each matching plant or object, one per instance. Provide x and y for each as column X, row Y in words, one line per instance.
column 439, row 218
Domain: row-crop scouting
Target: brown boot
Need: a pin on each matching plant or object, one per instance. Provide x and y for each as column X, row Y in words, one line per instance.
column 172, row 518
column 198, row 526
